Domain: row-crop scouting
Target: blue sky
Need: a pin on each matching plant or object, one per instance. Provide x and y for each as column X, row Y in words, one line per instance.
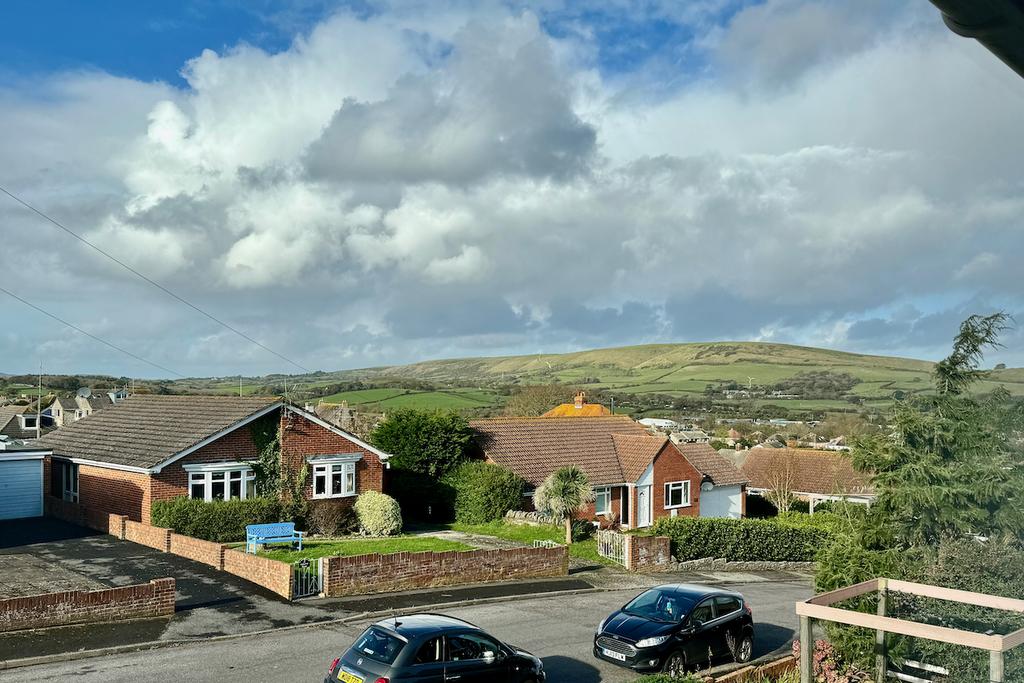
column 383, row 182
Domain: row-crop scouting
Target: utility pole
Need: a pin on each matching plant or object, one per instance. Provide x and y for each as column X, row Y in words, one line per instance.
column 39, row 403
column 239, row 386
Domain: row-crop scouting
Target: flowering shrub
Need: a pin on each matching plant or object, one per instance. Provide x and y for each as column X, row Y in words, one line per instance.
column 828, row 665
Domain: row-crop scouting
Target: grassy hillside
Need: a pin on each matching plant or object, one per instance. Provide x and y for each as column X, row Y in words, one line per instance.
column 671, row 371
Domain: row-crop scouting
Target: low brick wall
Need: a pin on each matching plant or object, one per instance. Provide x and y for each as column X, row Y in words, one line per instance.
column 76, row 514
column 206, row 552
column 750, row 674
column 377, row 573
column 271, row 574
column 155, row 599
column 648, row 553
column 144, row 534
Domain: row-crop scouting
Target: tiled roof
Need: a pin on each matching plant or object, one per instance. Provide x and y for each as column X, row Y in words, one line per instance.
column 636, row 451
column 145, row 430
column 716, row 467
column 586, row 410
column 10, row 425
column 807, row 471
column 610, row 450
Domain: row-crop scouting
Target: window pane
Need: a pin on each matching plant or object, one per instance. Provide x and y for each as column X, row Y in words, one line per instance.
column 198, row 492
column 468, row 646
column 430, row 652
column 320, row 485
column 217, row 476
column 250, row 488
column 350, row 481
column 336, row 483
column 237, row 474
column 235, row 489
column 217, row 490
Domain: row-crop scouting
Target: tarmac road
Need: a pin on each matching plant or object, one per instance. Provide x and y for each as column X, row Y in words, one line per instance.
column 559, row 629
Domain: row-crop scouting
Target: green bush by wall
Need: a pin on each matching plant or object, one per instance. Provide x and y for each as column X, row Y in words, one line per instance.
column 484, row 492
column 222, row 521
column 785, row 539
column 379, row 514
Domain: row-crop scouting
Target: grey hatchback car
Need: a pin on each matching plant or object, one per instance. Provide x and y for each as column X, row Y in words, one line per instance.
column 432, row 648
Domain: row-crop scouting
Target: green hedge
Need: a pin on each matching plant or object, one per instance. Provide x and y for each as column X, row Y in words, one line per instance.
column 484, row 492
column 223, row 521
column 787, row 539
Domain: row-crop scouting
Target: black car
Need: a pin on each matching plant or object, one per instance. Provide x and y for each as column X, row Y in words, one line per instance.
column 432, row 648
column 672, row 628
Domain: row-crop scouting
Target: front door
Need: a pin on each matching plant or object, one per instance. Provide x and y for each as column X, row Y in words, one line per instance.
column 643, row 506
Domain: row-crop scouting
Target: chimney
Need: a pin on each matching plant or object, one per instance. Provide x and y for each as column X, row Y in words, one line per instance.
column 580, row 399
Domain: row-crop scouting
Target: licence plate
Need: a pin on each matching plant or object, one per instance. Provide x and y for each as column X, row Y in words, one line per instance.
column 346, row 677
column 613, row 655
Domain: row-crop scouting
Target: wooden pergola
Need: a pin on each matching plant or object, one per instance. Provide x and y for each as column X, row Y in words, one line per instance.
column 820, row 608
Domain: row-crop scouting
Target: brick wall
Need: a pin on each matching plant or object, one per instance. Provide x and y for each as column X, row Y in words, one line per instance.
column 237, row 446
column 302, row 438
column 670, row 465
column 155, row 599
column 271, row 574
column 144, row 534
column 750, row 674
column 404, row 571
column 648, row 553
column 110, row 491
column 206, row 552
column 77, row 514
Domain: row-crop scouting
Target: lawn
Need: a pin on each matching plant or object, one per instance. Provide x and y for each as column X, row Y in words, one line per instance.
column 583, row 550
column 361, row 546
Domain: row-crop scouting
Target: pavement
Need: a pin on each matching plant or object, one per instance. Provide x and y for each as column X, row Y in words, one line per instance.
column 557, row 628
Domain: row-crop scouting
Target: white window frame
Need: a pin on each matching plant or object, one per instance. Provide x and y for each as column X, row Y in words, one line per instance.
column 203, row 475
column 606, row 493
column 683, row 487
column 25, row 421
column 68, row 484
column 324, row 467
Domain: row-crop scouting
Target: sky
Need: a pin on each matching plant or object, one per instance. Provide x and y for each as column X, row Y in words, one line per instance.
column 367, row 183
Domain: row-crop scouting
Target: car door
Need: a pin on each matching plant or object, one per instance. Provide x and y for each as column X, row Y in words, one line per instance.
column 474, row 657
column 427, row 666
column 701, row 626
column 727, row 612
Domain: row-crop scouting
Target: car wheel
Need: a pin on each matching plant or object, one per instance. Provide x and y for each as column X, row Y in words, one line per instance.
column 675, row 664
column 745, row 649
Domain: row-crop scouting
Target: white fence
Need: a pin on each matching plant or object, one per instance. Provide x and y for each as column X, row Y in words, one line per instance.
column 612, row 544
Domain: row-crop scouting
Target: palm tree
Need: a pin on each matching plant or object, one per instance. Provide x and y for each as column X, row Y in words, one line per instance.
column 563, row 493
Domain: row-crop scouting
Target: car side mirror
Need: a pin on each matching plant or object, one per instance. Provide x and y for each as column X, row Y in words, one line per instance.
column 696, row 624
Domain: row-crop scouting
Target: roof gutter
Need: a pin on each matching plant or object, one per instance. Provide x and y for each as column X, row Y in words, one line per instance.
column 996, row 24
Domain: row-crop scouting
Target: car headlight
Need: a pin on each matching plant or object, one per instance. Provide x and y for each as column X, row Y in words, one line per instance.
column 600, row 627
column 651, row 642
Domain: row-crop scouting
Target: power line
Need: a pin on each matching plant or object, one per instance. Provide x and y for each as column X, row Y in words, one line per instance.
column 89, row 334
column 159, row 286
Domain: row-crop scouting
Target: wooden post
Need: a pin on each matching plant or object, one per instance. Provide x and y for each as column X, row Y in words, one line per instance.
column 806, row 651
column 995, row 666
column 881, row 654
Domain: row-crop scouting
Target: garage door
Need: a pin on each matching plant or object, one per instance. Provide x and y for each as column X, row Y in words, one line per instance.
column 721, row 501
column 21, row 488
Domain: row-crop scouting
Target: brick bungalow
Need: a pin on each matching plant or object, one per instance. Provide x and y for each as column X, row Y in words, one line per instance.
column 638, row 477
column 807, row 474
column 148, row 448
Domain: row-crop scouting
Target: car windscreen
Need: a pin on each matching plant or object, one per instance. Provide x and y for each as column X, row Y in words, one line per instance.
column 378, row 645
column 659, row 605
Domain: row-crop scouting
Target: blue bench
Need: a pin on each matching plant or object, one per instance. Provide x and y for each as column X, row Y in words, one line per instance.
column 262, row 534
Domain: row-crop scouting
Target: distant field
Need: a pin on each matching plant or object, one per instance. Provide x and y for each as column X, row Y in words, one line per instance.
column 454, row 399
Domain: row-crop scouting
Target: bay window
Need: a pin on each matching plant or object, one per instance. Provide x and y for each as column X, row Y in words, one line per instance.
column 221, row 481
column 677, row 494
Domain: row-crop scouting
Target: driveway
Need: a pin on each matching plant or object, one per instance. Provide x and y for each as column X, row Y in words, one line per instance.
column 209, row 602
column 559, row 629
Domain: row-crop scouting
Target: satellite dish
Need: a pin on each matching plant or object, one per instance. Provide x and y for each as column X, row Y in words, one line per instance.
column 84, row 392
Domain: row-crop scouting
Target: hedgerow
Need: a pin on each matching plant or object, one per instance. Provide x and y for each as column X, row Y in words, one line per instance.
column 745, row 540
column 484, row 492
column 222, row 521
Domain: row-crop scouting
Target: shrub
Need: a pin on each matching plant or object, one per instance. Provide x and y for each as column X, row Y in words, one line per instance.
column 742, row 540
column 379, row 514
column 759, row 507
column 665, row 678
column 582, row 530
column 327, row 518
column 421, row 497
column 222, row 521
column 484, row 492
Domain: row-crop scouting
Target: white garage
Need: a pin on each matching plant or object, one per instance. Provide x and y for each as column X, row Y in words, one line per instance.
column 721, row 501
column 21, row 483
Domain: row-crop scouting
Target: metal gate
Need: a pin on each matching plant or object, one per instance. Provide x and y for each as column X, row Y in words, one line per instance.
column 612, row 545
column 306, row 579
